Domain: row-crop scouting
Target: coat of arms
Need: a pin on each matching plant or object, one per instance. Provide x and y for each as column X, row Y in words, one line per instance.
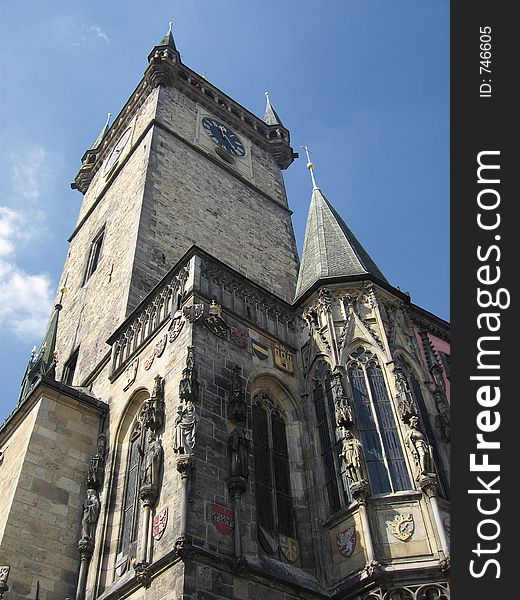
column 401, row 527
column 347, row 541
column 239, row 337
column 193, row 312
column 260, row 351
column 160, row 346
column 176, row 326
column 215, row 322
column 282, row 358
column 149, row 361
column 159, row 523
column 289, row 548
column 131, row 373
column 267, row 541
column 223, row 519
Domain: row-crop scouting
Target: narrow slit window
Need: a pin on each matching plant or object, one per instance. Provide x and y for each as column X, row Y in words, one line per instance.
column 94, row 255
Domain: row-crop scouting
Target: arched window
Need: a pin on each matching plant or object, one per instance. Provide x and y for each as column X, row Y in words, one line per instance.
column 377, row 425
column 330, row 438
column 131, row 506
column 272, row 479
column 426, row 422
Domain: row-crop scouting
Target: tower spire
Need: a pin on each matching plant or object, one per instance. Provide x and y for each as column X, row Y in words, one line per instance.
column 330, row 249
column 102, row 134
column 168, row 37
column 271, row 116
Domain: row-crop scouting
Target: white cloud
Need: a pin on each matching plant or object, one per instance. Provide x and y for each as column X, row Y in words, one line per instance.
column 98, row 32
column 25, row 298
column 25, row 302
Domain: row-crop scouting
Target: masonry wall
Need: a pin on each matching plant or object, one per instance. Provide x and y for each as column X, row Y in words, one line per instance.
column 44, row 521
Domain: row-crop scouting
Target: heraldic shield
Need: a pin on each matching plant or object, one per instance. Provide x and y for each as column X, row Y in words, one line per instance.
column 223, row 519
column 159, row 523
column 347, row 541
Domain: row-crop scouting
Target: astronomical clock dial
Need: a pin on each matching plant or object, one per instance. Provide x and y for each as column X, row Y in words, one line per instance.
column 223, row 136
column 118, row 149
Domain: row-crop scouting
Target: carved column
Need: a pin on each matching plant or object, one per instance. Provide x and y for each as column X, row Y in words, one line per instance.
column 91, row 508
column 236, row 487
column 360, row 492
column 185, row 465
column 428, row 485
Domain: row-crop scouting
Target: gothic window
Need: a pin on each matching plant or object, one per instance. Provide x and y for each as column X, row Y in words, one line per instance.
column 272, row 477
column 130, row 510
column 424, row 415
column 330, row 440
column 377, row 424
column 94, row 255
column 70, row 368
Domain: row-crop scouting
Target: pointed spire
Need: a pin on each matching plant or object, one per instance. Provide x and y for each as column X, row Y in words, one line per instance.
column 330, row 249
column 271, row 117
column 43, row 363
column 102, row 133
column 168, row 38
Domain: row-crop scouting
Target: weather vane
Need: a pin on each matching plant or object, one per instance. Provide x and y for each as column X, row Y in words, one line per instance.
column 310, row 166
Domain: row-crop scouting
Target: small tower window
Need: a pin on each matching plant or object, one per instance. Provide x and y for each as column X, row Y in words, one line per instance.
column 94, row 255
column 272, row 479
column 70, row 368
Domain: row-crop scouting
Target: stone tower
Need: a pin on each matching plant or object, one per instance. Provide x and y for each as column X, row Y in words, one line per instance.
column 206, row 418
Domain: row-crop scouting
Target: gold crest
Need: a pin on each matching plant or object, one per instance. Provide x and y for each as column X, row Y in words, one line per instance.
column 283, row 359
column 401, row 527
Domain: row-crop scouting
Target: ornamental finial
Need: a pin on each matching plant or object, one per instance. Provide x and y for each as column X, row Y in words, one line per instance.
column 170, row 26
column 310, row 166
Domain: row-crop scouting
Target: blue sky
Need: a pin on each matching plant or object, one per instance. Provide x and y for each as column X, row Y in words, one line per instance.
column 364, row 83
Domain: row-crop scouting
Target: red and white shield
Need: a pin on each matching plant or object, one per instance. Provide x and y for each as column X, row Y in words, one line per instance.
column 159, row 523
column 347, row 541
column 223, row 519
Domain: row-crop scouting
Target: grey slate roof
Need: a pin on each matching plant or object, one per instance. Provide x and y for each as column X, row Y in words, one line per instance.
column 330, row 248
column 271, row 116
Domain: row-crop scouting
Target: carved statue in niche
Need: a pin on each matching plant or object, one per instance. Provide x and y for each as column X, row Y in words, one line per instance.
column 96, row 467
column 188, row 387
column 342, row 405
column 185, row 426
column 237, row 402
column 419, row 447
column 90, row 514
column 152, row 461
column 153, row 414
column 238, row 446
column 405, row 403
column 351, row 453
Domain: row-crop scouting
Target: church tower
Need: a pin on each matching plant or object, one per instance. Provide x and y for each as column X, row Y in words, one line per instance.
column 207, row 418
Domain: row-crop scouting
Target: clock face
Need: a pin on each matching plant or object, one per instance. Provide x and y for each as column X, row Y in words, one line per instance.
column 118, row 149
column 223, row 136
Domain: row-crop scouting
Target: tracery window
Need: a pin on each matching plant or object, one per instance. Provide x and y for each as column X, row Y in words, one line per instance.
column 131, row 506
column 377, row 425
column 330, row 439
column 272, row 478
column 426, row 422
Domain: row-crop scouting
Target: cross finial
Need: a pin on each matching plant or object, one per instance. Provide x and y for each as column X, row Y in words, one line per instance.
column 266, row 93
column 170, row 26
column 310, row 166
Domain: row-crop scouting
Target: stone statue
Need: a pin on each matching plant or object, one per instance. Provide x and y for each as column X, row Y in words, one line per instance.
column 152, row 461
column 342, row 407
column 419, row 447
column 238, row 446
column 153, row 415
column 188, row 387
column 237, row 403
column 185, row 426
column 91, row 508
column 351, row 452
column 405, row 403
